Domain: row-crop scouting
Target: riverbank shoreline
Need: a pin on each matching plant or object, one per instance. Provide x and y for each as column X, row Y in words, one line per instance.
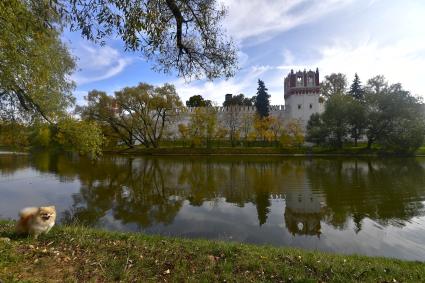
column 240, row 151
column 259, row 151
column 72, row 253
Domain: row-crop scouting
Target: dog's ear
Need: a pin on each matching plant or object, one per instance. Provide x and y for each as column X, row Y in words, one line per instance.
column 52, row 207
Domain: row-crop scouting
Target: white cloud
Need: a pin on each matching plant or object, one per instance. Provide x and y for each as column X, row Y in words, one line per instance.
column 264, row 18
column 399, row 62
column 98, row 63
column 402, row 62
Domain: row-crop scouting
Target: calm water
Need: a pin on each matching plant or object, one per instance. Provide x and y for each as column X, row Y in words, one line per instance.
column 364, row 206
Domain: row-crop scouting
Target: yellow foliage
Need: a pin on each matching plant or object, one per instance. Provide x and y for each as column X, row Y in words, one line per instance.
column 292, row 135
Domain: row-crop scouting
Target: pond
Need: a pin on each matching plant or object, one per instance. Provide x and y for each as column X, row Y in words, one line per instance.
column 341, row 205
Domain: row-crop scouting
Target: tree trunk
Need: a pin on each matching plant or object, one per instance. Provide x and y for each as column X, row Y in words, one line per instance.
column 369, row 143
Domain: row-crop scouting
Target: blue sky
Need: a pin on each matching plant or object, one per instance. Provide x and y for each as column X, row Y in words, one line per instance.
column 369, row 37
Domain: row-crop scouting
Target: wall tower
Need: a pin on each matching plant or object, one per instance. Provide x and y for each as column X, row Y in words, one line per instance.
column 302, row 92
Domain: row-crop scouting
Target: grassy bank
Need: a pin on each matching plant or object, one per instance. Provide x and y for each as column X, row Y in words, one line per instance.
column 307, row 151
column 69, row 254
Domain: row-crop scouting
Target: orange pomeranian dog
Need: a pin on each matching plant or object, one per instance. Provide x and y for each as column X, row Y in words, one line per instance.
column 36, row 220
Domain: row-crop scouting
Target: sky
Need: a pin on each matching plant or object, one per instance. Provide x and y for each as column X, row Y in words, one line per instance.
column 370, row 37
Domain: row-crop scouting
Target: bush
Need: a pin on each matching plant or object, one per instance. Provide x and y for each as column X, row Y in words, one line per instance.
column 82, row 136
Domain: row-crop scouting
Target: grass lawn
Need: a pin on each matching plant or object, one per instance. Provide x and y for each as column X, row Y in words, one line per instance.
column 69, row 254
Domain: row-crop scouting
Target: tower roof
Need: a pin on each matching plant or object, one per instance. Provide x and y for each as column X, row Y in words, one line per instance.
column 302, row 82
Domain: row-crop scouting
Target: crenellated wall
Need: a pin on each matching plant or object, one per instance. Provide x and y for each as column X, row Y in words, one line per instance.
column 238, row 108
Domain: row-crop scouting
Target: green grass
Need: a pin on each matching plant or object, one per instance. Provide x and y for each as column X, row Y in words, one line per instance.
column 69, row 254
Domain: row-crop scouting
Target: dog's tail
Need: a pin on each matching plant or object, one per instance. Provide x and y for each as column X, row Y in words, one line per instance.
column 28, row 211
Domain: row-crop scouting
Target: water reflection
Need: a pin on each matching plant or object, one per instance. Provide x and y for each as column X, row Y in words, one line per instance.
column 169, row 194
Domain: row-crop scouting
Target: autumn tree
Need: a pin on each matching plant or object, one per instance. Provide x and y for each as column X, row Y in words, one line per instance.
column 275, row 127
column 85, row 137
column 151, row 110
column 262, row 129
column 232, row 123
column 185, row 36
column 203, row 123
column 184, row 132
column 292, row 134
column 104, row 109
column 246, row 124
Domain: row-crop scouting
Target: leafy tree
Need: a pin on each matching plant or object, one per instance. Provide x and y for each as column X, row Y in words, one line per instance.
column 316, row 129
column 395, row 118
column 41, row 135
column 185, row 36
column 356, row 89
column 184, row 131
column 239, row 100
column 335, row 118
column 276, row 127
column 13, row 134
column 202, row 126
column 35, row 65
column 292, row 134
column 356, row 114
column 262, row 102
column 376, row 84
column 246, row 121
column 262, row 128
column 334, row 84
column 142, row 113
column 151, row 110
column 232, row 123
column 104, row 109
column 82, row 136
column 198, row 101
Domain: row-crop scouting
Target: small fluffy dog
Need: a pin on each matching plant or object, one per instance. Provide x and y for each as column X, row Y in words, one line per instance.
column 36, row 220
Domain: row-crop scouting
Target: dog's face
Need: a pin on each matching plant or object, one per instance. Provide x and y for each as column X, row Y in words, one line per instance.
column 47, row 213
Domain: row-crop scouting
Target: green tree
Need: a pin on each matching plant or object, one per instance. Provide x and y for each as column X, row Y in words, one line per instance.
column 198, row 101
column 356, row 89
column 262, row 102
column 395, row 118
column 334, row 84
column 335, row 118
column 316, row 130
column 35, row 65
column 185, row 36
column 376, row 84
column 357, row 111
column 239, row 100
column 41, row 135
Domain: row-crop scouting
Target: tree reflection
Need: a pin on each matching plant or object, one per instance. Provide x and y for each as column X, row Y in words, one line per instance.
column 151, row 190
column 388, row 191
